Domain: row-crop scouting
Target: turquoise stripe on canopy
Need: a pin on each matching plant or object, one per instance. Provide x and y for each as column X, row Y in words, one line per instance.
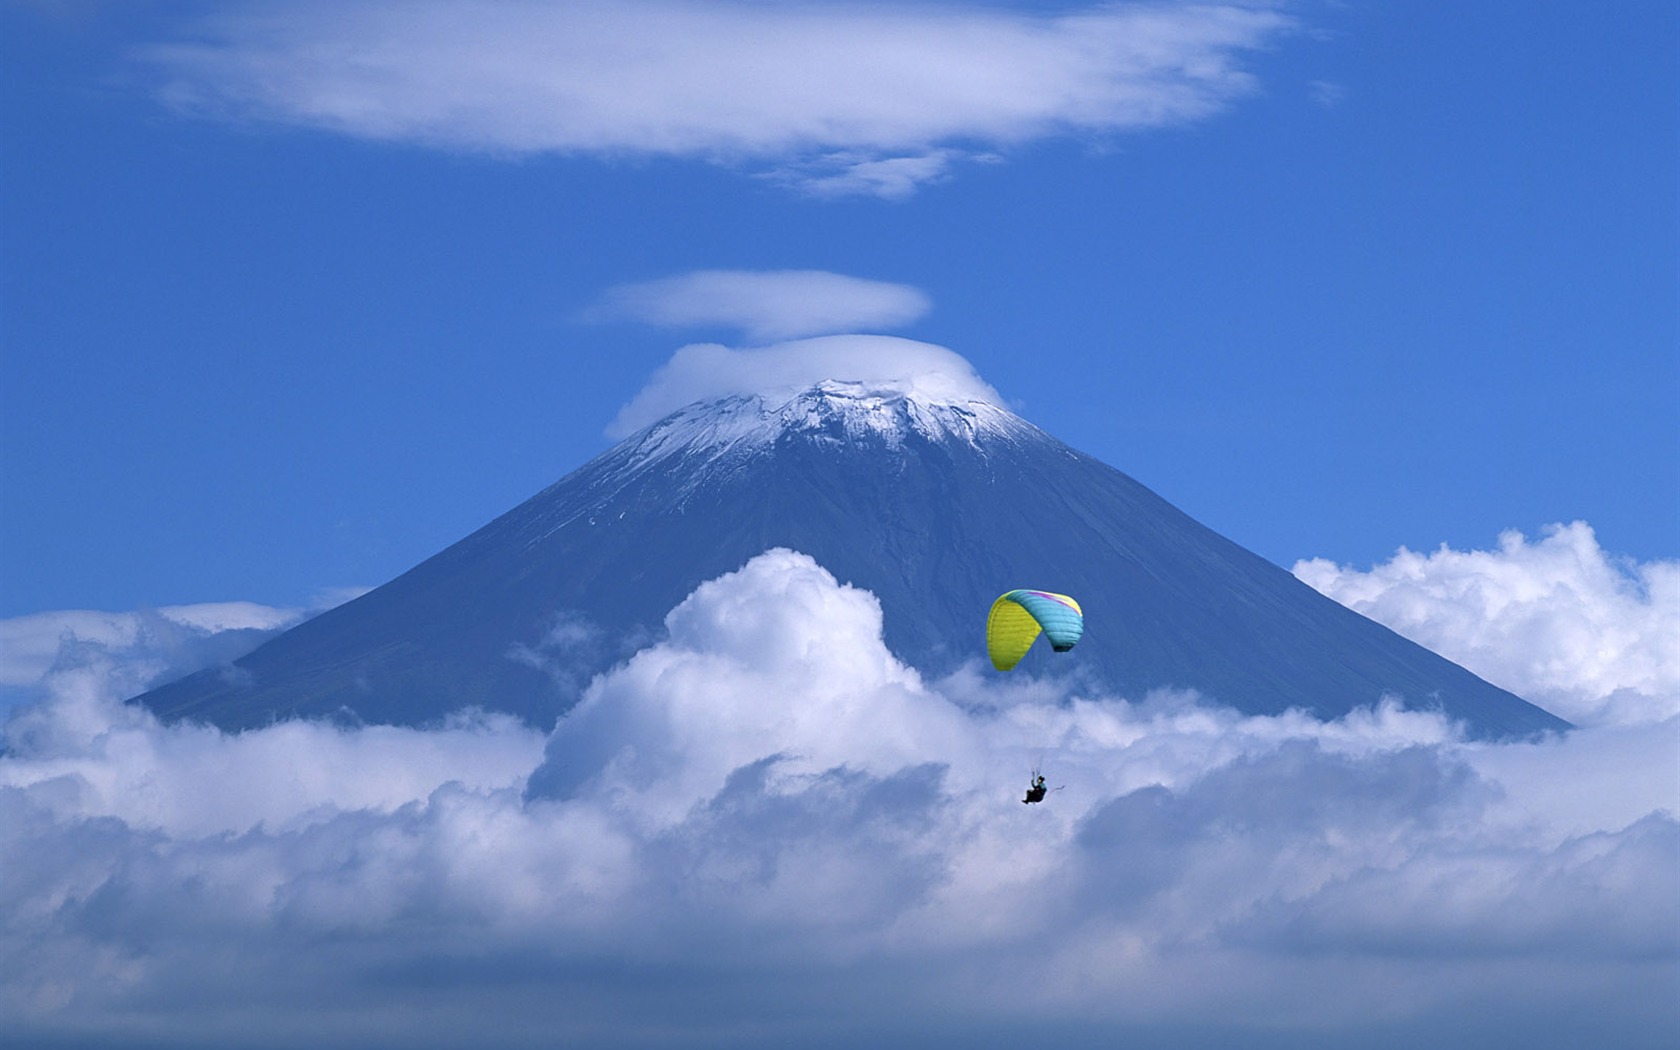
column 1062, row 623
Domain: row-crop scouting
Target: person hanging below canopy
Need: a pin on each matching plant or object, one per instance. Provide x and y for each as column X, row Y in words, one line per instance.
column 1037, row 792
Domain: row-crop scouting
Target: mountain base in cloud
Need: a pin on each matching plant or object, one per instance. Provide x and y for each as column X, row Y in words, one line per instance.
column 764, row 830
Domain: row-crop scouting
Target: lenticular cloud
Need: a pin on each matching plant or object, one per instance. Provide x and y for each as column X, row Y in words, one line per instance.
column 765, row 830
column 834, row 98
column 768, row 305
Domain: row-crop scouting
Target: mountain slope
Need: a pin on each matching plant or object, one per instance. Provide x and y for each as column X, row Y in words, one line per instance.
column 934, row 507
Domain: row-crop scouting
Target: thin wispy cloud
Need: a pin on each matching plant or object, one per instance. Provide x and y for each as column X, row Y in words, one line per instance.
column 835, row 98
column 764, row 827
column 855, row 174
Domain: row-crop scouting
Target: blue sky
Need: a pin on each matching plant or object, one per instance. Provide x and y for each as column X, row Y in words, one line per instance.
column 1374, row 274
column 294, row 295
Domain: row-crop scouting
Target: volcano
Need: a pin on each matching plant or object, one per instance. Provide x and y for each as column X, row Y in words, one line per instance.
column 936, row 505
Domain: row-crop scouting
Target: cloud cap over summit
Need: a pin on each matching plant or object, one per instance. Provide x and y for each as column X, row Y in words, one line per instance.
column 878, row 363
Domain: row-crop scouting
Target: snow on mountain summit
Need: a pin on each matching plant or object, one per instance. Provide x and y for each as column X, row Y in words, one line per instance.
column 839, row 412
column 886, row 367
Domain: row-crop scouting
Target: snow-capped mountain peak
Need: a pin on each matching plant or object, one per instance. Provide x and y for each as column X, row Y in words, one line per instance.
column 831, row 411
column 877, row 364
column 903, row 478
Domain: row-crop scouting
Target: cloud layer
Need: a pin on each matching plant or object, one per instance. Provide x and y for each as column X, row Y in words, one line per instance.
column 135, row 647
column 764, row 830
column 704, row 371
column 768, row 305
column 1559, row 621
column 836, row 98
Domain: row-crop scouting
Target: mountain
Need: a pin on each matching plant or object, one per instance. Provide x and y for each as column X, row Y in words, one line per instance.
column 934, row 505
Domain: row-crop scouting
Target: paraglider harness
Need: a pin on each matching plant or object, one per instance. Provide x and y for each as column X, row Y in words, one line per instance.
column 1037, row 792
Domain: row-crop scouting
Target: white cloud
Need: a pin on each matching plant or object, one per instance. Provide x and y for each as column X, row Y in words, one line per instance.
column 872, row 98
column 706, row 370
column 1590, row 637
column 1326, row 93
column 768, row 305
column 743, row 679
column 854, row 174
column 29, row 645
column 133, row 650
column 764, row 830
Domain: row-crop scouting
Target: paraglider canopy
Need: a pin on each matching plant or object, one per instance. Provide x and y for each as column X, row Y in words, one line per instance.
column 1019, row 617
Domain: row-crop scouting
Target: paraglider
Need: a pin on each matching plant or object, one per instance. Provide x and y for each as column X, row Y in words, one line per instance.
column 1017, row 619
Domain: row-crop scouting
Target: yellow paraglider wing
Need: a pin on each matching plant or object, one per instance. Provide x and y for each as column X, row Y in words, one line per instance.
column 1018, row 617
